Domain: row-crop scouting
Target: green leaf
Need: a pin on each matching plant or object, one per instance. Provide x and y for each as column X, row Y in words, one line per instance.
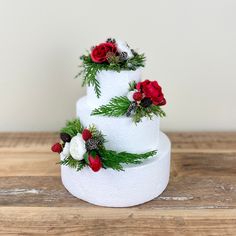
column 72, row 163
column 73, row 127
column 86, row 157
column 118, row 106
column 114, row 160
column 132, row 85
column 157, row 111
column 93, row 153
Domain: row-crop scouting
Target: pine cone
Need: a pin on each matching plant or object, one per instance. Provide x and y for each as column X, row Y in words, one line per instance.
column 146, row 102
column 131, row 109
column 112, row 58
column 92, row 144
column 123, row 56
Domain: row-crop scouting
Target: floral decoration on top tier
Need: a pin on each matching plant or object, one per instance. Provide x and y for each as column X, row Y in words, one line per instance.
column 81, row 147
column 110, row 55
column 144, row 99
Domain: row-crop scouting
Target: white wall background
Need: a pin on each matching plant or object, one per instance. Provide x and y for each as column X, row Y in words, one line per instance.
column 190, row 47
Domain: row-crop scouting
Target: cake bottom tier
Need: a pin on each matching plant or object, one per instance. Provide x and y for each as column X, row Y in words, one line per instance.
column 135, row 185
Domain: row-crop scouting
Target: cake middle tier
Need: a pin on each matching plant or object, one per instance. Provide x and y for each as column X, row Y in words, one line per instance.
column 121, row 133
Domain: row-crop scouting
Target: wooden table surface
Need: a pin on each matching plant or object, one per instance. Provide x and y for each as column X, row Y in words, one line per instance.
column 199, row 200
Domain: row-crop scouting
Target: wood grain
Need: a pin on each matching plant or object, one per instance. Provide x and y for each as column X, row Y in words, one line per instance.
column 200, row 198
column 107, row 221
column 216, row 142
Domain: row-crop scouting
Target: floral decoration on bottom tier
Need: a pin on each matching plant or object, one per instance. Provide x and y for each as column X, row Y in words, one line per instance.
column 144, row 99
column 81, row 147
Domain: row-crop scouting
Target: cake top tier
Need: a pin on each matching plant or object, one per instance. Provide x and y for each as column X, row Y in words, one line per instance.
column 111, row 55
column 112, row 84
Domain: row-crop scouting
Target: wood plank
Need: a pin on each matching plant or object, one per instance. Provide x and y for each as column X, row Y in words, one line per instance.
column 29, row 164
column 202, row 142
column 181, row 142
column 27, row 142
column 109, row 221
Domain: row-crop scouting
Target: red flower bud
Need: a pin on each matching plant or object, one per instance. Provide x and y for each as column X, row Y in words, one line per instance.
column 95, row 163
column 57, row 148
column 137, row 96
column 86, row 135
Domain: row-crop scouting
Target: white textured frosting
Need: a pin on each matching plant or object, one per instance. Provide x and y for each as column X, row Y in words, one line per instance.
column 112, row 84
column 122, row 134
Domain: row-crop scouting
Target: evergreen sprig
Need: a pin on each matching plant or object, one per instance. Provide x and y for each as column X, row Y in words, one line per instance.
column 73, row 127
column 114, row 160
column 118, row 106
column 149, row 112
column 98, row 135
column 72, row 163
column 90, row 69
column 110, row 159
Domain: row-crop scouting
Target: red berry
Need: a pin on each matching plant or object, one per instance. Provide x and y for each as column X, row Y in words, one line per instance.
column 95, row 163
column 86, row 135
column 56, row 148
column 137, row 96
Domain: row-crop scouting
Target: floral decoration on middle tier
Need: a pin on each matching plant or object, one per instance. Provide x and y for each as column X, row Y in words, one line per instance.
column 112, row 55
column 80, row 147
column 144, row 99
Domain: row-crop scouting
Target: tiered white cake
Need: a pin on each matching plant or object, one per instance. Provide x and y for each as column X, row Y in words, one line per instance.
column 137, row 183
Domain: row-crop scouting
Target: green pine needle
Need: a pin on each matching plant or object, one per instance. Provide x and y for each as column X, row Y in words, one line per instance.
column 72, row 163
column 73, row 127
column 114, row 160
column 110, row 159
column 147, row 112
column 118, row 106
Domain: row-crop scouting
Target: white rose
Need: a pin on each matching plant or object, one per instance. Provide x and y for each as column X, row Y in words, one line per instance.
column 123, row 47
column 77, row 147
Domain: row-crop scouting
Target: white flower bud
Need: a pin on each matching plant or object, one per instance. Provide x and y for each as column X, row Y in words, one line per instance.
column 123, row 47
column 130, row 95
column 77, row 147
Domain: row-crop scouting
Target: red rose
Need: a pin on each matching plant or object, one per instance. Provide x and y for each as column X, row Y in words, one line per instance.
column 152, row 90
column 99, row 53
